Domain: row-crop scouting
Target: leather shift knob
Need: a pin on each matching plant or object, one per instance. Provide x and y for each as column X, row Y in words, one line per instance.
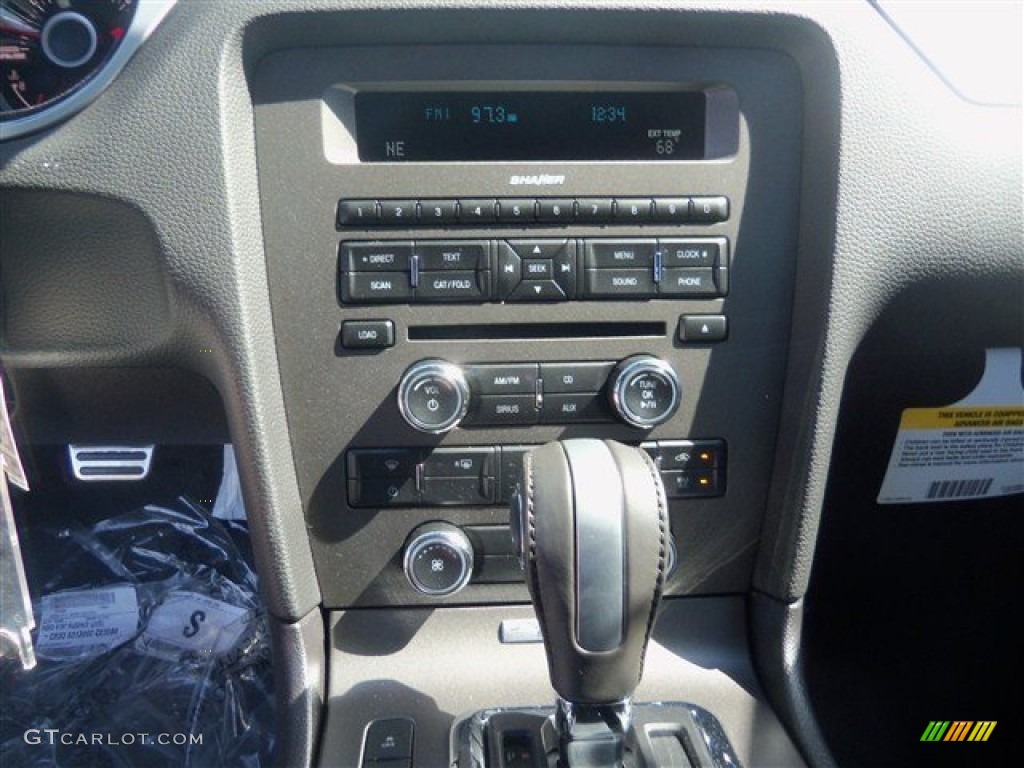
column 593, row 525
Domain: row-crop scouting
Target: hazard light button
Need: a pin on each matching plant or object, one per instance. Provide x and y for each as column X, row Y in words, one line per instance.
column 703, row 328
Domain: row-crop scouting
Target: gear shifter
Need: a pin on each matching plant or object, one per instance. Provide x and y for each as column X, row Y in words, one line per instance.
column 592, row 524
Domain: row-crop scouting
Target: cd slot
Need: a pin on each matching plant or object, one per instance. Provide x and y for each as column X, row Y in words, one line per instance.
column 527, row 331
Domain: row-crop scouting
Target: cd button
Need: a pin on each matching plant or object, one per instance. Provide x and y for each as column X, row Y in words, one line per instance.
column 574, row 377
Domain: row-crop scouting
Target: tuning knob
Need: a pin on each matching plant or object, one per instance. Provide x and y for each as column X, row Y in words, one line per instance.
column 433, row 396
column 644, row 391
column 438, row 559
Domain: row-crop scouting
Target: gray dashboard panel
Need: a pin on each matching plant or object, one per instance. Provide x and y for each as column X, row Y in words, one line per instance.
column 338, row 400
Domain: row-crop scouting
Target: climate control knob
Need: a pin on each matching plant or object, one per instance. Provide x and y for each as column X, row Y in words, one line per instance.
column 433, row 396
column 438, row 559
column 644, row 391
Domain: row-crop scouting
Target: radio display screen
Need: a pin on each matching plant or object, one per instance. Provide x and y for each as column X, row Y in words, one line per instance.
column 439, row 126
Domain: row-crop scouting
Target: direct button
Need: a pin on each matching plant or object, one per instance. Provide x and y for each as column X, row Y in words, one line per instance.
column 459, row 255
column 367, row 334
column 375, row 257
column 389, row 739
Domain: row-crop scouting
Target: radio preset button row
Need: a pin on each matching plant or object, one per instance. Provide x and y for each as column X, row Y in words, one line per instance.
column 370, row 214
column 489, row 475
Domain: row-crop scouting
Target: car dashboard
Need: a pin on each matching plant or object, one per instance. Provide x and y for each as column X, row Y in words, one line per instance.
column 386, row 249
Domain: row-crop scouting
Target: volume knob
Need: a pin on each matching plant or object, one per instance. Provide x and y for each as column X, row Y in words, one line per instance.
column 644, row 391
column 433, row 396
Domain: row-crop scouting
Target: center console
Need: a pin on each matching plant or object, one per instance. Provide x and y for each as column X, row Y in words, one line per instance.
column 476, row 250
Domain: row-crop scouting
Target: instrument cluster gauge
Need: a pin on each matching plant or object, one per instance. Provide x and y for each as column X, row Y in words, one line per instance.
column 57, row 55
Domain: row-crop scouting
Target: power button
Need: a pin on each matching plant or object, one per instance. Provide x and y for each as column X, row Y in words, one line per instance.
column 433, row 396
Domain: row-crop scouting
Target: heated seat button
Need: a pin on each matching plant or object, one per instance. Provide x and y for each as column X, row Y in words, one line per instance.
column 620, row 254
column 693, row 483
column 574, row 377
column 575, row 408
column 438, row 255
column 392, row 256
column 389, row 739
column 503, row 378
column 620, row 284
column 454, row 286
column 357, row 287
column 502, row 410
column 367, row 334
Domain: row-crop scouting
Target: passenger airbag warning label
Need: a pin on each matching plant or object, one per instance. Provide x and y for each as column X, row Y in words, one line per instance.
column 963, row 451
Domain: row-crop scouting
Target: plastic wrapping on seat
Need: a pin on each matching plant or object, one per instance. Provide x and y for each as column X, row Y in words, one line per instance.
column 153, row 648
